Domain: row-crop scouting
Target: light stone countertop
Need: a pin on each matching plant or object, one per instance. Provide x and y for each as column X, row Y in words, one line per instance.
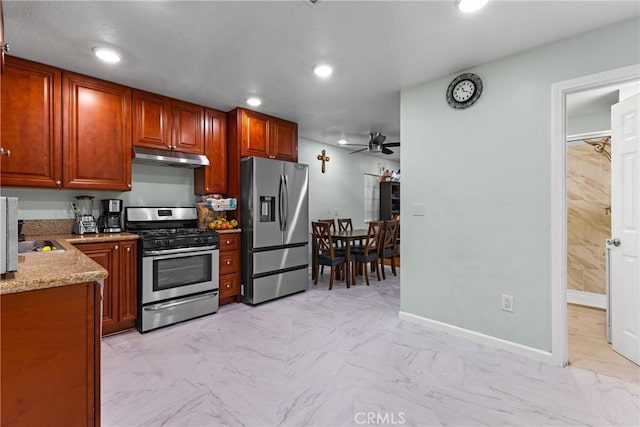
column 40, row 270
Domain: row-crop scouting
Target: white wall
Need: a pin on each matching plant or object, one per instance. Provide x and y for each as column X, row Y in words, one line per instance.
column 484, row 175
column 589, row 123
column 339, row 192
column 151, row 186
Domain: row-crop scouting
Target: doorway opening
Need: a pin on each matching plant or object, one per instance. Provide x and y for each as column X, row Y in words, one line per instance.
column 584, row 318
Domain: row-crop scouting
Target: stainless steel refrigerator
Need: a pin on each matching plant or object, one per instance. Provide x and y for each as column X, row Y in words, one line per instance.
column 275, row 228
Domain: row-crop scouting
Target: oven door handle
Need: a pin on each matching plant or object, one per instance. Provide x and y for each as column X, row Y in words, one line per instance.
column 181, row 250
column 158, row 307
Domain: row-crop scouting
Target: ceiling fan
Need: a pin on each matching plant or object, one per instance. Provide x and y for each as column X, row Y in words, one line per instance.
column 376, row 144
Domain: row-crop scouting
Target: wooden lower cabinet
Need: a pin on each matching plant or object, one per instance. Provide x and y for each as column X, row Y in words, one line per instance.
column 50, row 357
column 229, row 268
column 120, row 291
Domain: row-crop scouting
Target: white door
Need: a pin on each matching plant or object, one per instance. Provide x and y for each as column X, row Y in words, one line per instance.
column 625, row 228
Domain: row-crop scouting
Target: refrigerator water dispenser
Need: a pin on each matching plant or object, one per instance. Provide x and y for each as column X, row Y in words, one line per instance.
column 267, row 209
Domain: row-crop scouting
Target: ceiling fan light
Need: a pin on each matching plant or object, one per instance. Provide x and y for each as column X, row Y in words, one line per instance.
column 107, row 55
column 342, row 142
column 471, row 5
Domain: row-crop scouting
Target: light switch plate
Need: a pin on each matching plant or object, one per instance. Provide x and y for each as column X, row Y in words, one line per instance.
column 419, row 210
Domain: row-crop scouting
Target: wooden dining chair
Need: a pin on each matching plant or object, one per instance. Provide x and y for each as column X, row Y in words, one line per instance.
column 389, row 246
column 345, row 224
column 337, row 245
column 332, row 223
column 324, row 251
column 368, row 253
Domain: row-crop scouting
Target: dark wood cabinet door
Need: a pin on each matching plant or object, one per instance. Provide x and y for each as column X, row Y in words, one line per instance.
column 151, row 120
column 255, row 134
column 106, row 255
column 50, row 357
column 283, row 140
column 96, row 134
column 31, row 128
column 127, row 289
column 213, row 178
column 188, row 127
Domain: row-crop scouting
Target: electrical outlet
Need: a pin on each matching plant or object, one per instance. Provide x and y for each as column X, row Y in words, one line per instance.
column 507, row 303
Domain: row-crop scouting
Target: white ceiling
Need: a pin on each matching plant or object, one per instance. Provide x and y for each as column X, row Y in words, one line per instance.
column 219, row 53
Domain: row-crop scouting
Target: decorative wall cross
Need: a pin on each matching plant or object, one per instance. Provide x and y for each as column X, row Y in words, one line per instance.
column 324, row 158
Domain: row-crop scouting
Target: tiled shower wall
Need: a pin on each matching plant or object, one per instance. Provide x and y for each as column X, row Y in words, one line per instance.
column 589, row 224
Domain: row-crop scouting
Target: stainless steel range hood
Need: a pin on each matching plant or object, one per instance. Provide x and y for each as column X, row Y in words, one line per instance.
column 169, row 158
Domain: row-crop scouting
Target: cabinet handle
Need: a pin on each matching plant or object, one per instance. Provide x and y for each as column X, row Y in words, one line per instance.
column 228, row 262
column 116, row 247
column 228, row 286
column 207, row 189
column 228, row 242
column 59, row 183
column 4, row 152
column 129, row 185
column 128, row 249
column 169, row 147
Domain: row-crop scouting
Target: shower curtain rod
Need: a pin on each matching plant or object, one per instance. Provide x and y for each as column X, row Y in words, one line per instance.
column 588, row 135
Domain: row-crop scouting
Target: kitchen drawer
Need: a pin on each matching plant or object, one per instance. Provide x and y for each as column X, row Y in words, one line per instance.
column 229, row 262
column 229, row 241
column 229, row 285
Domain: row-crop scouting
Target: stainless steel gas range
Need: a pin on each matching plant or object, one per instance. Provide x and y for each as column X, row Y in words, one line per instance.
column 177, row 266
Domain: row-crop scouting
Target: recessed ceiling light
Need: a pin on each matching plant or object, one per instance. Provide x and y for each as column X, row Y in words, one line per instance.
column 253, row 101
column 323, row 70
column 471, row 5
column 342, row 141
column 107, row 55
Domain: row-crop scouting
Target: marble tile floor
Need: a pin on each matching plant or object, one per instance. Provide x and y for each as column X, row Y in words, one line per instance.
column 341, row 358
column 588, row 346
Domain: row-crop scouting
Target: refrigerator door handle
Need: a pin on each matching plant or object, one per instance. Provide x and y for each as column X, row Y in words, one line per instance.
column 280, row 202
column 286, row 202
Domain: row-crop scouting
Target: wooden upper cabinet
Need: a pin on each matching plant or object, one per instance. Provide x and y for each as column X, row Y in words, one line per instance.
column 188, row 127
column 31, row 130
column 265, row 136
column 254, row 134
column 213, row 178
column 96, row 134
column 167, row 124
column 283, row 136
column 151, row 120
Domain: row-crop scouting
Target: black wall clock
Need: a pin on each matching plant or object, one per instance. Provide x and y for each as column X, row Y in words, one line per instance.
column 464, row 90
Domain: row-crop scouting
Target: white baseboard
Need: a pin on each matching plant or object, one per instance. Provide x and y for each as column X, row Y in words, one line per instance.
column 523, row 350
column 590, row 299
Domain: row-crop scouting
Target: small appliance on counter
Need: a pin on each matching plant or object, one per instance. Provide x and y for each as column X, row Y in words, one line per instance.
column 8, row 234
column 111, row 219
column 83, row 209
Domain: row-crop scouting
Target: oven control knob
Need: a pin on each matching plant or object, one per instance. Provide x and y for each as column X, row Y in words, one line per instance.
column 197, row 240
column 158, row 242
column 167, row 242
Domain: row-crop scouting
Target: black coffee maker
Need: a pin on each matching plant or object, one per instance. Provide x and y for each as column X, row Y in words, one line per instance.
column 111, row 219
